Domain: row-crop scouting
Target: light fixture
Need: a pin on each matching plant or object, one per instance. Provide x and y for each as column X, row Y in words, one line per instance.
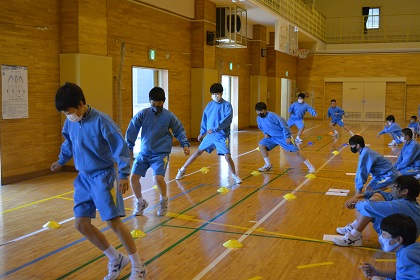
column 263, row 52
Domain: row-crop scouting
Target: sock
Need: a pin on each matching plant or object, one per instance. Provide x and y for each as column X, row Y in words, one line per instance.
column 355, row 233
column 351, row 133
column 308, row 164
column 135, row 260
column 182, row 168
column 267, row 161
column 162, row 198
column 353, row 224
column 112, row 253
column 335, row 131
column 139, row 199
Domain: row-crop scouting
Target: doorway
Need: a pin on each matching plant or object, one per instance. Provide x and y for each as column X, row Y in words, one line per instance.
column 287, row 96
column 144, row 79
column 230, row 93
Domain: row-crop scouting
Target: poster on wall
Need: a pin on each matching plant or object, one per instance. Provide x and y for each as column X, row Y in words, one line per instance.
column 14, row 85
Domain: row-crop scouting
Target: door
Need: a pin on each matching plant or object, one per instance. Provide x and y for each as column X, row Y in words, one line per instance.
column 364, row 101
column 230, row 93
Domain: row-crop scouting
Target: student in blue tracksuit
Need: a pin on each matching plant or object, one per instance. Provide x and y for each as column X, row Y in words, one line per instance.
column 393, row 129
column 276, row 132
column 336, row 114
column 398, row 234
column 370, row 162
column 297, row 110
column 408, row 162
column 95, row 142
column 401, row 199
column 214, row 132
column 156, row 144
column 414, row 126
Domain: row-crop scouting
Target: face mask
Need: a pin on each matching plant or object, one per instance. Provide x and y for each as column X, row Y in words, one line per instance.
column 262, row 115
column 402, row 139
column 216, row 97
column 394, row 193
column 411, row 121
column 157, row 109
column 353, row 149
column 385, row 244
column 300, row 100
column 74, row 117
column 389, row 123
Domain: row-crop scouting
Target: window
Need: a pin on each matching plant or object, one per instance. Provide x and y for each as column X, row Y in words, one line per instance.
column 373, row 19
column 370, row 18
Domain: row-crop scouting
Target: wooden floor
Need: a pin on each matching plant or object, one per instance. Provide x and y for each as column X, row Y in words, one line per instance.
column 282, row 239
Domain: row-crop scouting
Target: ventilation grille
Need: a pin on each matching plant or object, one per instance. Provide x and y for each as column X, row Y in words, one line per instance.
column 354, row 115
column 374, row 115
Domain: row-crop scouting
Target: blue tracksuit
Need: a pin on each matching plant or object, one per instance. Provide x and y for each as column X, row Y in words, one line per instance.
column 395, row 130
column 297, row 110
column 408, row 262
column 274, row 125
column 217, row 116
column 278, row 130
column 96, row 144
column 156, row 138
column 382, row 170
column 408, row 162
column 381, row 209
column 332, row 112
column 414, row 126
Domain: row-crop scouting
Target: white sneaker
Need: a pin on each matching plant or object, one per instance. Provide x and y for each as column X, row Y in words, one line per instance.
column 180, row 174
column 115, row 267
column 417, row 176
column 265, row 168
column 311, row 170
column 348, row 240
column 298, row 140
column 237, row 179
column 138, row 273
column 163, row 207
column 344, row 230
column 139, row 207
column 392, row 143
column 335, row 134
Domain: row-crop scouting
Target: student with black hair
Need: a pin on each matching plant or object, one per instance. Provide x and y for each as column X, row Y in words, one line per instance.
column 95, row 142
column 408, row 162
column 414, row 126
column 214, row 132
column 393, row 129
column 374, row 206
column 276, row 132
column 156, row 124
column 370, row 162
column 398, row 234
column 297, row 111
column 336, row 114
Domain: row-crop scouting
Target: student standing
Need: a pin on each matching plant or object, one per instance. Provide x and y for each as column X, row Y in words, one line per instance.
column 276, row 132
column 156, row 144
column 95, row 142
column 297, row 110
column 214, row 132
column 336, row 114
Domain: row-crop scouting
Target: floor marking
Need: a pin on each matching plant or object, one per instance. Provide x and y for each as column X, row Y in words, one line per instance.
column 314, row 264
column 385, row 260
column 257, row 225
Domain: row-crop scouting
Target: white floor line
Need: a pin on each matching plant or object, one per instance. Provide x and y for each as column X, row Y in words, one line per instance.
column 257, row 225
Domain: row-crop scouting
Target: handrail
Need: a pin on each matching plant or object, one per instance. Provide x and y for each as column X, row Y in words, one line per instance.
column 296, row 12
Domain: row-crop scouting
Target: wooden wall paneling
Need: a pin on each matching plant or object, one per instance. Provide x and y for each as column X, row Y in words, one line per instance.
column 395, row 102
column 412, row 101
column 30, row 145
column 312, row 70
column 333, row 90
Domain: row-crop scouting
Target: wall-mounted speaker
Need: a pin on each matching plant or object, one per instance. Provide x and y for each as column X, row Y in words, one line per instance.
column 210, row 38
